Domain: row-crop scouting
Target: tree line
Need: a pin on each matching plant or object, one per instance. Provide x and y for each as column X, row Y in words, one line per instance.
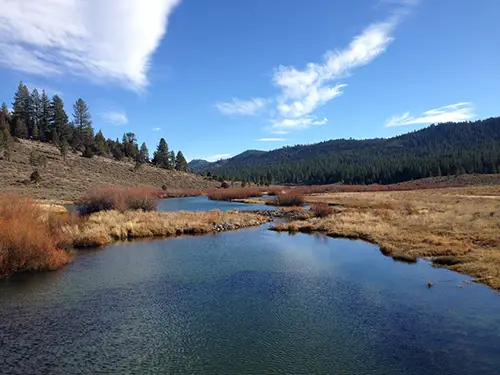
column 438, row 150
column 35, row 116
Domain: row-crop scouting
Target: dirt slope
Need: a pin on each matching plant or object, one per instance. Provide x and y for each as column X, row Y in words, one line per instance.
column 67, row 180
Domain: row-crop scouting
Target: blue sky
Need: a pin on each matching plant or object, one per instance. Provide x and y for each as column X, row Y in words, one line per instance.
column 219, row 77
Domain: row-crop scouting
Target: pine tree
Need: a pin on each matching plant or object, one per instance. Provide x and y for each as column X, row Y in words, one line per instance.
column 171, row 160
column 59, row 120
column 36, row 133
column 100, row 144
column 44, row 118
column 143, row 154
column 130, row 148
column 115, row 148
column 83, row 135
column 180, row 162
column 35, row 113
column 20, row 129
column 5, row 109
column 21, row 108
column 5, row 127
column 161, row 155
column 63, row 148
column 4, row 123
column 3, row 143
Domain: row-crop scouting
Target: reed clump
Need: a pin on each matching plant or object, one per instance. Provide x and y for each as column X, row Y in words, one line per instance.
column 30, row 237
column 115, row 198
column 289, row 199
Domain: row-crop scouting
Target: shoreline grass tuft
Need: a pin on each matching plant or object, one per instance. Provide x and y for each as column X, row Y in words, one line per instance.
column 105, row 227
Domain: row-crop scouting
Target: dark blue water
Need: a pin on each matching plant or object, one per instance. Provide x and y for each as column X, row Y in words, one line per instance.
column 247, row 302
column 204, row 204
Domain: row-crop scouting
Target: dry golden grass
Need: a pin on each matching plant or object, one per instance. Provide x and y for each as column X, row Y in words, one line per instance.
column 458, row 228
column 30, row 237
column 105, row 227
column 68, row 179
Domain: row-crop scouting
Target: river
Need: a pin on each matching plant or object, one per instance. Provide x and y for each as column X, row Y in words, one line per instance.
column 247, row 302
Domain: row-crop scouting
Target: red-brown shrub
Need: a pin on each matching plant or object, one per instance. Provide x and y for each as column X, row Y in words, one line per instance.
column 235, row 193
column 28, row 241
column 119, row 199
column 180, row 193
column 289, row 199
column 321, row 210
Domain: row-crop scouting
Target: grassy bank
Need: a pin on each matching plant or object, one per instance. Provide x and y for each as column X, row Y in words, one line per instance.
column 457, row 228
column 102, row 228
column 37, row 236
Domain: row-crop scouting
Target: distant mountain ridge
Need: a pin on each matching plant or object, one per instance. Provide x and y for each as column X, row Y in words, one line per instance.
column 198, row 164
column 444, row 149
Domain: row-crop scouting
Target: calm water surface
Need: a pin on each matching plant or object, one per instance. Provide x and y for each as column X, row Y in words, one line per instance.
column 204, row 204
column 247, row 302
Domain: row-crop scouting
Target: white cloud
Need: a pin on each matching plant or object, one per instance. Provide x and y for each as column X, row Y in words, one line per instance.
column 217, row 157
column 297, row 123
column 241, row 107
column 451, row 113
column 303, row 90
column 102, row 40
column 156, row 129
column 271, row 139
column 114, row 117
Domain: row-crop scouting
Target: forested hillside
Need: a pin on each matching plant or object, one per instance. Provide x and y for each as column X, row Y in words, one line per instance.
column 439, row 150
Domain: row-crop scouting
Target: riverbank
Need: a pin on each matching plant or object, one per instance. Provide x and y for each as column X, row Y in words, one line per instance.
column 38, row 236
column 103, row 228
column 456, row 228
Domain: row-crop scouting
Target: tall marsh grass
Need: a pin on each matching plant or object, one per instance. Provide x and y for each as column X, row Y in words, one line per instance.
column 289, row 199
column 30, row 238
column 114, row 198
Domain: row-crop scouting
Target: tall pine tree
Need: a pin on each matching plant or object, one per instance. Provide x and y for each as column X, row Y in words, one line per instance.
column 83, row 135
column 100, row 144
column 59, row 127
column 21, row 109
column 180, row 162
column 161, row 156
column 44, row 118
column 35, row 114
column 143, row 156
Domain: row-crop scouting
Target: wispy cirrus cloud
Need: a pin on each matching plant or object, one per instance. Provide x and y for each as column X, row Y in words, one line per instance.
column 217, row 157
column 287, row 125
column 302, row 91
column 271, row 139
column 116, row 118
column 102, row 40
column 241, row 107
column 156, row 129
column 451, row 113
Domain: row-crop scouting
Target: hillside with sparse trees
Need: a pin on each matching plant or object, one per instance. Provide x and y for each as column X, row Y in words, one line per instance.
column 49, row 154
